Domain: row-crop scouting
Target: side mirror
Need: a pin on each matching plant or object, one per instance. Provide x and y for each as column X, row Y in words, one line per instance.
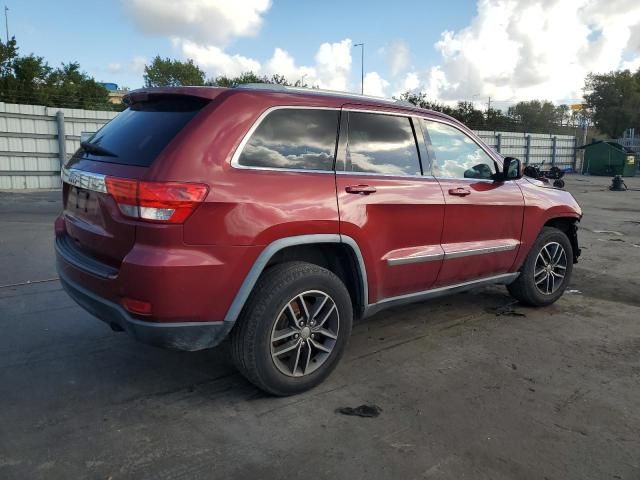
column 511, row 168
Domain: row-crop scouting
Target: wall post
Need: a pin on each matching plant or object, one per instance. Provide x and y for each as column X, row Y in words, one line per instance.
column 62, row 142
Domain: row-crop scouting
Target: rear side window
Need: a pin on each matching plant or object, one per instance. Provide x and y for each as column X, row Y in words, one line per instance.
column 138, row 134
column 383, row 144
column 301, row 139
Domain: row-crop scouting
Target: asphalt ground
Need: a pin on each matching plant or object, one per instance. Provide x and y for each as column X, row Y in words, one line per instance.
column 469, row 386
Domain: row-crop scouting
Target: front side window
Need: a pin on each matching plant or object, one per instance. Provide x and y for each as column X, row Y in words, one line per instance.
column 456, row 154
column 301, row 139
column 382, row 144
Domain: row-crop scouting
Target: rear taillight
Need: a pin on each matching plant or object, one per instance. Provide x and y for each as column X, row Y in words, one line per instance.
column 165, row 202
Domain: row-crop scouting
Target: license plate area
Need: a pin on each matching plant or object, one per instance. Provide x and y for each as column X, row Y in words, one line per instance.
column 82, row 202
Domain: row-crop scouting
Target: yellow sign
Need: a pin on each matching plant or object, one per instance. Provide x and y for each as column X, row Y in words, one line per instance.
column 578, row 106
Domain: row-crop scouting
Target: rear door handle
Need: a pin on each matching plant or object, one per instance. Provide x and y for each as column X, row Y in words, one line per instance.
column 361, row 189
column 459, row 192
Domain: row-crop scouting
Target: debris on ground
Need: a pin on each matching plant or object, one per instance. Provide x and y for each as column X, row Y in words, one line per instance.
column 506, row 310
column 573, row 291
column 366, row 411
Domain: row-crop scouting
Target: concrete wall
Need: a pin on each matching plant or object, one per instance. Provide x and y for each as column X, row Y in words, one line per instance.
column 30, row 152
column 29, row 149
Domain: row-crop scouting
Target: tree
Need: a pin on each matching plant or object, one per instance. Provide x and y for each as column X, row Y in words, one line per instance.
column 165, row 72
column 534, row 115
column 563, row 113
column 30, row 79
column 614, row 99
column 250, row 77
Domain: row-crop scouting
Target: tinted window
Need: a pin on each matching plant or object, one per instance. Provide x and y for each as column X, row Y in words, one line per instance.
column 293, row 138
column 456, row 154
column 138, row 135
column 381, row 144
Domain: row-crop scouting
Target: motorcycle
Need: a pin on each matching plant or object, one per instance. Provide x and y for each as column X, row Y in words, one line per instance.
column 537, row 172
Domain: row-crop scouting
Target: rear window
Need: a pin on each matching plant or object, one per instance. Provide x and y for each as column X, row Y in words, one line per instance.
column 138, row 134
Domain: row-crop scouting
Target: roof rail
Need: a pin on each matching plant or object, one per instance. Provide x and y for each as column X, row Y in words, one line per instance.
column 318, row 91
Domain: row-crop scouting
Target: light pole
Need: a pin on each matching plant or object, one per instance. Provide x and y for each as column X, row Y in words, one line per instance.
column 361, row 45
column 6, row 22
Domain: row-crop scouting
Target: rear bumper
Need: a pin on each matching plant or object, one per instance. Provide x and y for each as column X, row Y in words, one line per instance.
column 188, row 336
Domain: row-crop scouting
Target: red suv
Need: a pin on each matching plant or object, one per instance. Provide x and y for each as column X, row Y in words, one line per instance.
column 276, row 216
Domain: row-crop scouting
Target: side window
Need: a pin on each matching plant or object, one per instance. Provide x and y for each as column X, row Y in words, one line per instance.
column 382, row 144
column 456, row 154
column 293, row 138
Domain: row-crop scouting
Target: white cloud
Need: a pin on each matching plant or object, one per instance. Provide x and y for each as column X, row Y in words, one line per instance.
column 135, row 65
column 519, row 49
column 632, row 65
column 114, row 68
column 398, row 57
column 330, row 70
column 200, row 30
column 374, row 84
column 216, row 61
column 207, row 22
column 333, row 64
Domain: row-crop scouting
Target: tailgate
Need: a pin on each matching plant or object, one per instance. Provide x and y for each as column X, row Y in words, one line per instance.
column 92, row 220
column 124, row 148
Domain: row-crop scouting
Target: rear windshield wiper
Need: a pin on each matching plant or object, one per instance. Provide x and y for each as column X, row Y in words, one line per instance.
column 97, row 149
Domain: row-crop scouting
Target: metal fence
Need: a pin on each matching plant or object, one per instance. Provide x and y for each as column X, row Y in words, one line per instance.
column 534, row 148
column 35, row 141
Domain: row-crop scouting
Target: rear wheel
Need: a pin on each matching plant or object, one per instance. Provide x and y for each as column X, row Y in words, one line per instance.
column 547, row 270
column 293, row 329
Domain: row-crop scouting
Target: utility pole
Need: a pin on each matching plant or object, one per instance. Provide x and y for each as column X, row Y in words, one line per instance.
column 6, row 22
column 361, row 45
column 489, row 105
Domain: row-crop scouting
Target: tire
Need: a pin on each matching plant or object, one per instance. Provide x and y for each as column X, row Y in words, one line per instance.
column 558, row 183
column 276, row 309
column 544, row 292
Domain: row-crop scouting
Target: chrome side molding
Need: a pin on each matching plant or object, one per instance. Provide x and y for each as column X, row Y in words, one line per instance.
column 481, row 251
column 447, row 255
column 430, row 257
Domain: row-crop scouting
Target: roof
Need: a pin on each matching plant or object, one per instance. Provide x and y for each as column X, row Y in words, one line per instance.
column 270, row 89
column 613, row 144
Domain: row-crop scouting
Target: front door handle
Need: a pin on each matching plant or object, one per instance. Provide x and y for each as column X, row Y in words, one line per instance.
column 361, row 189
column 459, row 192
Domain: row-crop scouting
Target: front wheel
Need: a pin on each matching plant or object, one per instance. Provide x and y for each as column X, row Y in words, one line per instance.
column 546, row 271
column 294, row 328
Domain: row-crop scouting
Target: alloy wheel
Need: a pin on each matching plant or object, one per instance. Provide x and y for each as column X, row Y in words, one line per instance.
column 305, row 333
column 550, row 268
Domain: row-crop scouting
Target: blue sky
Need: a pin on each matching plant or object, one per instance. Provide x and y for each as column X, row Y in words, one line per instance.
column 454, row 50
column 97, row 34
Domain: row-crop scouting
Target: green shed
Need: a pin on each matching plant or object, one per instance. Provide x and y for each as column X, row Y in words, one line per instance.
column 608, row 158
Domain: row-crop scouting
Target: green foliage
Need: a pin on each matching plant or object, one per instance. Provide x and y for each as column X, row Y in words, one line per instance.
column 30, row 79
column 614, row 99
column 530, row 117
column 534, row 116
column 250, row 77
column 167, row 72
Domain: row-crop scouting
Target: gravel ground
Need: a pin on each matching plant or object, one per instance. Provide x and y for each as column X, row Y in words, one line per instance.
column 467, row 389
